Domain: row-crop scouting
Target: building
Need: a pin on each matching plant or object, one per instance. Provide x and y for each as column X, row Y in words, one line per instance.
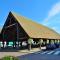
column 18, row 29
column 0, row 34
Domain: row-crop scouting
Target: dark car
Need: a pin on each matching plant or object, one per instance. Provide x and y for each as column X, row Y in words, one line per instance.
column 57, row 45
column 50, row 46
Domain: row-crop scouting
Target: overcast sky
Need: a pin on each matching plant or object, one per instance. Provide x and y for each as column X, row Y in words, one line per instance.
column 46, row 12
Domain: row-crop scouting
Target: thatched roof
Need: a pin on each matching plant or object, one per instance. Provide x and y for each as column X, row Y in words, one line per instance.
column 35, row 30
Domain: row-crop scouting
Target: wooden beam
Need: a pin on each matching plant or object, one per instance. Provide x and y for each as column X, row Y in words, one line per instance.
column 3, row 43
column 17, row 32
column 23, row 38
column 10, row 25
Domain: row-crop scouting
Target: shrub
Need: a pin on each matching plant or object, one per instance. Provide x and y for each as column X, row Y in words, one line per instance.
column 9, row 58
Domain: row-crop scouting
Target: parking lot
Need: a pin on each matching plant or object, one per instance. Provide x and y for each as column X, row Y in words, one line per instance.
column 43, row 55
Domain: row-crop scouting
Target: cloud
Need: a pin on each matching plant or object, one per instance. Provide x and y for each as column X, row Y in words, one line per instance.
column 53, row 17
column 53, row 11
column 55, row 28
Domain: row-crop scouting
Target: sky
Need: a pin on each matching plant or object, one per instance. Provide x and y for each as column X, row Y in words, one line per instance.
column 46, row 12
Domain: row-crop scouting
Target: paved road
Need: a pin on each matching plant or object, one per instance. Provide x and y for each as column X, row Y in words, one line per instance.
column 43, row 55
column 15, row 52
column 51, row 52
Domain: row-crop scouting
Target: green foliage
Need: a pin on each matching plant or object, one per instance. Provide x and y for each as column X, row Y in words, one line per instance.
column 30, row 41
column 40, row 41
column 9, row 58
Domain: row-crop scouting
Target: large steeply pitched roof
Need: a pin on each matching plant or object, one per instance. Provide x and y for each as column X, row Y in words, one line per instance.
column 35, row 30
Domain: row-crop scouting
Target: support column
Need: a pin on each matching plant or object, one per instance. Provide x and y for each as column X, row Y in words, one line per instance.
column 27, row 44
column 17, row 43
column 0, row 44
column 13, row 44
column 40, row 43
column 59, row 40
column 45, row 42
column 21, row 44
column 59, row 43
column 54, row 41
column 17, row 34
column 3, row 44
column 49, row 41
column 7, row 43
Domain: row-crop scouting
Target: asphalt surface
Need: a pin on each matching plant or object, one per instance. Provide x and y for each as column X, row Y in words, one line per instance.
column 43, row 55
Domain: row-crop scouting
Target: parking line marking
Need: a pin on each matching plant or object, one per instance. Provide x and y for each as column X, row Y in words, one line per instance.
column 57, row 52
column 44, row 52
column 37, row 52
column 50, row 52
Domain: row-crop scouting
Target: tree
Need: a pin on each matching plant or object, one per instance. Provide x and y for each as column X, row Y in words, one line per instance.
column 40, row 42
column 30, row 41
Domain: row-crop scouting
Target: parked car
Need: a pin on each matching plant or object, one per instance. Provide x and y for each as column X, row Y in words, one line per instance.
column 50, row 46
column 57, row 45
